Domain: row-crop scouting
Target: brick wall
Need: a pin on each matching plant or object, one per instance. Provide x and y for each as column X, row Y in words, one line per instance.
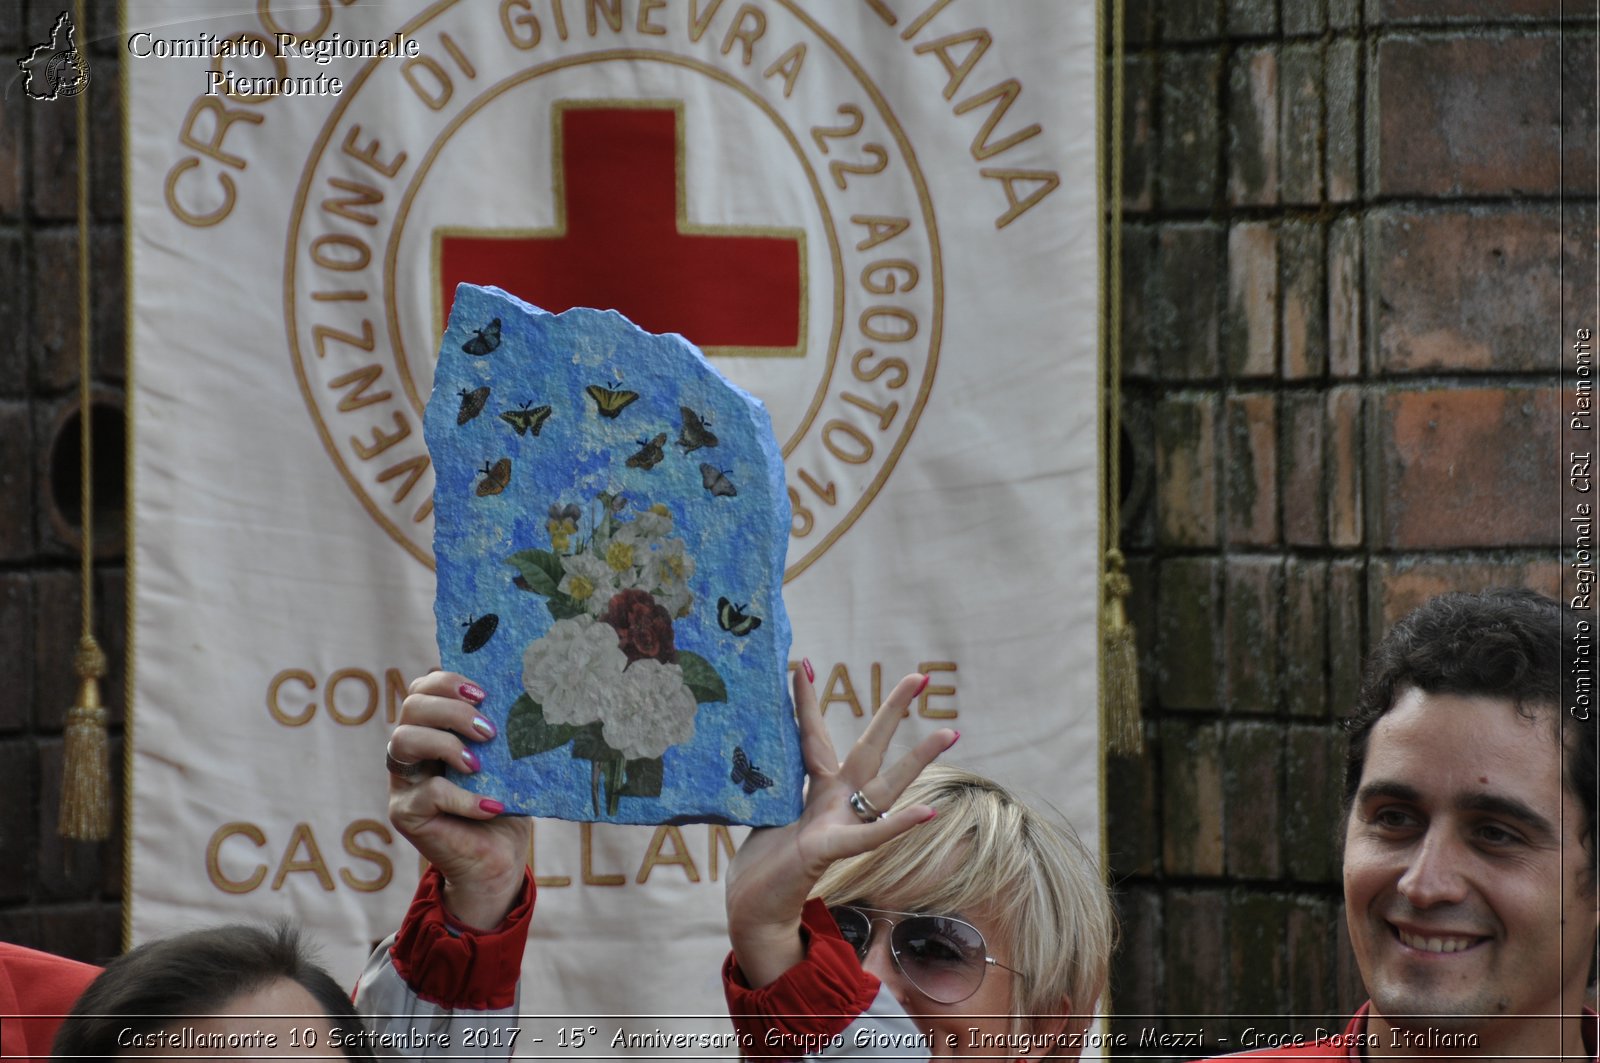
column 1343, row 293
column 1342, row 288
column 57, row 895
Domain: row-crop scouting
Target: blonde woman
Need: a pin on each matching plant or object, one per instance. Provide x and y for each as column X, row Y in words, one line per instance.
column 912, row 911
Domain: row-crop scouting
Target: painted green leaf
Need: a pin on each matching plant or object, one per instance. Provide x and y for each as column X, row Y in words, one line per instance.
column 613, row 785
column 528, row 732
column 588, row 744
column 644, row 778
column 561, row 606
column 701, row 679
column 540, row 568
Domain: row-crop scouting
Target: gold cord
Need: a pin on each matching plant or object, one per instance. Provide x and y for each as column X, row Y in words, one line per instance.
column 1119, row 658
column 86, row 769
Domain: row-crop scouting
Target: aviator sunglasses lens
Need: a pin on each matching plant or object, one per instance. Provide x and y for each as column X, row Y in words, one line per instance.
column 944, row 957
column 854, row 927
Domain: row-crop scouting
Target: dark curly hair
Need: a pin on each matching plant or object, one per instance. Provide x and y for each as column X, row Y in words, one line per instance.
column 195, row 974
column 1500, row 643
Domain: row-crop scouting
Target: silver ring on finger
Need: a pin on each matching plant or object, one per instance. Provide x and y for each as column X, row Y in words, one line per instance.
column 402, row 769
column 865, row 810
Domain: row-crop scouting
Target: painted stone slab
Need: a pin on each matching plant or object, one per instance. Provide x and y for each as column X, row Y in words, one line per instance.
column 610, row 526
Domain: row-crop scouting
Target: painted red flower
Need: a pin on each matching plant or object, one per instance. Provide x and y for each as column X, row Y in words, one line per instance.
column 644, row 628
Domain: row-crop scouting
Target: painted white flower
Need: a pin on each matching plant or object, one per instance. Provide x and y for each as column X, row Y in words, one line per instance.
column 651, row 711
column 629, row 579
column 665, row 574
column 653, row 523
column 620, row 553
column 574, row 672
column 669, row 564
column 666, row 565
column 586, row 579
column 632, row 540
column 676, row 600
column 627, row 554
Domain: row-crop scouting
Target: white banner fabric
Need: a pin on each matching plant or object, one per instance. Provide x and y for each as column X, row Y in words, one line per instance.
column 932, row 376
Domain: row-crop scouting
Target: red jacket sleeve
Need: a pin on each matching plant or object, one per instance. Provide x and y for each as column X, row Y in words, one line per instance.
column 809, row 1003
column 36, row 991
column 454, row 966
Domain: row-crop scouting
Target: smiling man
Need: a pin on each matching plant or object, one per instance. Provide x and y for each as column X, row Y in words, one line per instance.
column 1469, row 839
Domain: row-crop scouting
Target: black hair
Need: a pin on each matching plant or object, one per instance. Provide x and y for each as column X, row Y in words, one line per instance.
column 1498, row 643
column 196, row 974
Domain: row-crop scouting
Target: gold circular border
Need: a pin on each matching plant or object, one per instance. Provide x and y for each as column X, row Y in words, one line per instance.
column 908, row 153
column 935, row 337
column 292, row 319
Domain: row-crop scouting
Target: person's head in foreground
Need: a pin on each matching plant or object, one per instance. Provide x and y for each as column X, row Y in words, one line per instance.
column 1469, row 847
column 231, row 992
column 1010, row 930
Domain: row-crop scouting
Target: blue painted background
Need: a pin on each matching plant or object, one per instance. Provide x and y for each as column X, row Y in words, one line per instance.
column 738, row 545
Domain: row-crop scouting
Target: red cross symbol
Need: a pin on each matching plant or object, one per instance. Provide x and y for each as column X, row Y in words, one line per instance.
column 619, row 243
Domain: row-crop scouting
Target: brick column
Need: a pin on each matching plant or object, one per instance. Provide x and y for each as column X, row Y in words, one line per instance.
column 1342, row 276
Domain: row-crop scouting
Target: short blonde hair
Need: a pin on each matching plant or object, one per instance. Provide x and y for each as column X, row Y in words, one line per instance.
column 1049, row 903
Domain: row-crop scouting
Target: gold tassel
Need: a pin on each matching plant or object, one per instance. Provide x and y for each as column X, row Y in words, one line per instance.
column 1120, row 654
column 86, row 768
column 85, row 814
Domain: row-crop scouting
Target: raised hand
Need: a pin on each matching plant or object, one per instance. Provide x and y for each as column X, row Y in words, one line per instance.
column 480, row 852
column 776, row 868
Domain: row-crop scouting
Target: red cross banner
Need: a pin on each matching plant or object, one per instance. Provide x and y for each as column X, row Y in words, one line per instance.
column 878, row 216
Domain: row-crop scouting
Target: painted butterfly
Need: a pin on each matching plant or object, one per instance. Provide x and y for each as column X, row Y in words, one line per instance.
column 609, row 401
column 479, row 632
column 695, row 434
column 650, row 453
column 496, row 478
column 747, row 774
column 733, row 618
column 472, row 403
column 483, row 339
column 716, row 480
column 526, row 420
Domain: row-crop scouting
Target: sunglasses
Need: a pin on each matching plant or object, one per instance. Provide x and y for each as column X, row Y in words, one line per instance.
column 944, row 957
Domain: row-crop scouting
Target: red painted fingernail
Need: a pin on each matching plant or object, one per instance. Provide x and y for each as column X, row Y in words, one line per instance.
column 491, row 806
column 922, row 686
column 470, row 759
column 472, row 692
column 483, row 727
column 811, row 675
column 954, row 740
column 933, row 813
